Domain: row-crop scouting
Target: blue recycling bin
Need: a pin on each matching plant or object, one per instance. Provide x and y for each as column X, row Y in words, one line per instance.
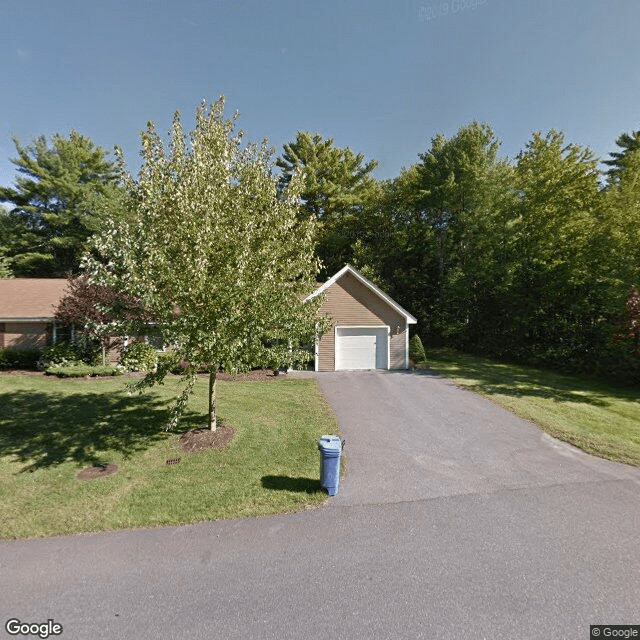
column 330, row 449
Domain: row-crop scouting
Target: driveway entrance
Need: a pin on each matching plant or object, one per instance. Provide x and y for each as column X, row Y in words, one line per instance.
column 414, row 435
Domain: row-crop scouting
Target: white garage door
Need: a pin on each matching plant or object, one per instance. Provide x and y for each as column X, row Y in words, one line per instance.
column 361, row 348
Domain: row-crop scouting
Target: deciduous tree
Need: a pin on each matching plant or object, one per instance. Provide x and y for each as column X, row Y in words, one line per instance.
column 631, row 323
column 459, row 195
column 213, row 252
column 95, row 309
column 557, row 291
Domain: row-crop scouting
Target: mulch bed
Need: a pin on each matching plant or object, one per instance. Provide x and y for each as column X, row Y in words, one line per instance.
column 199, row 439
column 21, row 372
column 258, row 374
column 97, row 471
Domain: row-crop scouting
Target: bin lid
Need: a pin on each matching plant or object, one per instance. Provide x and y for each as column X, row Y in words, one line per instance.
column 330, row 443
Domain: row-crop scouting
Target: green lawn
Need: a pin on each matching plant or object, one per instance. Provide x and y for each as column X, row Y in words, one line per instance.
column 600, row 418
column 52, row 428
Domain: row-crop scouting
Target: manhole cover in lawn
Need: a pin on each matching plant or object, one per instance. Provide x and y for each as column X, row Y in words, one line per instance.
column 97, row 471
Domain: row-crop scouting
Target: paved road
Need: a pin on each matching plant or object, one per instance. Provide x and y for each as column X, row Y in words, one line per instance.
column 501, row 533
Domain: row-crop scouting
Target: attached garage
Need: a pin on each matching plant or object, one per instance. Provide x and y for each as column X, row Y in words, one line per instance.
column 369, row 330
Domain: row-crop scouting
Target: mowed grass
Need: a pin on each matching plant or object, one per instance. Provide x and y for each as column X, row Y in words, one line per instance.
column 50, row 429
column 597, row 417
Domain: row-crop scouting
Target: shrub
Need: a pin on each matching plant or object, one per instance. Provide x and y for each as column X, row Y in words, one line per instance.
column 139, row 356
column 19, row 359
column 83, row 370
column 416, row 350
column 107, row 370
column 89, row 349
column 61, row 354
column 69, row 370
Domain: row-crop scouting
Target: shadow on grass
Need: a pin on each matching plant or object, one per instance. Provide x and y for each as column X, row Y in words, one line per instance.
column 47, row 429
column 518, row 381
column 285, row 483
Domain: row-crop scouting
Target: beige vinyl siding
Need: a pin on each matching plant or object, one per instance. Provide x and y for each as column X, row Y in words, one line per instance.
column 351, row 303
column 25, row 335
column 397, row 345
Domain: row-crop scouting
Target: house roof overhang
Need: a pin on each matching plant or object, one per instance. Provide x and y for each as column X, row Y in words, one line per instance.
column 367, row 283
column 21, row 320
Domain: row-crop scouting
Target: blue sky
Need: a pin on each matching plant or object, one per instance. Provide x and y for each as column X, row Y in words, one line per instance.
column 379, row 76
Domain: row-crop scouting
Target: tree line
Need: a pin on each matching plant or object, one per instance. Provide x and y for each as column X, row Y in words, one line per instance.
column 534, row 259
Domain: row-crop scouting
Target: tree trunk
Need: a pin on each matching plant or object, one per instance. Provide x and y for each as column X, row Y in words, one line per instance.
column 104, row 356
column 212, row 400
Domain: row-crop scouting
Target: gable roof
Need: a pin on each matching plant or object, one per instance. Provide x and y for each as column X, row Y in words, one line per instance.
column 349, row 269
column 30, row 298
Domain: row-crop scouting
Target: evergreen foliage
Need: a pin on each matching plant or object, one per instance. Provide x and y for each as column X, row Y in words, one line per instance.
column 26, row 359
column 416, row 350
column 337, row 189
column 59, row 193
column 83, row 371
column 527, row 260
column 628, row 143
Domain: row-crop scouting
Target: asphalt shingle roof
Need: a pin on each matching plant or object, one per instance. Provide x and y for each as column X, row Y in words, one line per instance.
column 30, row 297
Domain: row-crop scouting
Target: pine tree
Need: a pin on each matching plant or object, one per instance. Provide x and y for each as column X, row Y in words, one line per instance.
column 56, row 202
column 628, row 143
column 337, row 189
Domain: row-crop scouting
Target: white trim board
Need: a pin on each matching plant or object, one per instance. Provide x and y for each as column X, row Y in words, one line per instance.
column 406, row 347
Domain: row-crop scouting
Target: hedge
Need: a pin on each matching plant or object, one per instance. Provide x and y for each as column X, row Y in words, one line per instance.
column 19, row 359
column 83, row 370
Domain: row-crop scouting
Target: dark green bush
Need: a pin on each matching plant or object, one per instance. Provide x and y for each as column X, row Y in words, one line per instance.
column 89, row 349
column 19, row 359
column 416, row 350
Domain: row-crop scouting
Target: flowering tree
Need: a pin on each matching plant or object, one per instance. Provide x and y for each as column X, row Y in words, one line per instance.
column 213, row 253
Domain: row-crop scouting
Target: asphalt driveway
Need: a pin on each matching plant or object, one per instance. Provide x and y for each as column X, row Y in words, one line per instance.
column 416, row 436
